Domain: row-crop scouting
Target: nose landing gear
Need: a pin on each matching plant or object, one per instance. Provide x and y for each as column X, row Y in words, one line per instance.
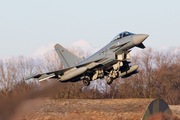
column 86, row 82
column 109, row 80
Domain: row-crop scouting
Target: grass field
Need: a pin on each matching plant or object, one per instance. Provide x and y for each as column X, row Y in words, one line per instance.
column 89, row 109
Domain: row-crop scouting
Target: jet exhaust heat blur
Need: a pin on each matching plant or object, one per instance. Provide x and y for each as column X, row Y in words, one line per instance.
column 110, row 61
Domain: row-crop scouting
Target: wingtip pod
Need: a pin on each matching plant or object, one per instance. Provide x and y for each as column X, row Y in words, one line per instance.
column 31, row 76
column 57, row 45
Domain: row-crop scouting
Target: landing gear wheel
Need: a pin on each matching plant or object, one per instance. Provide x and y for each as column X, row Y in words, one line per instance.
column 109, row 80
column 86, row 82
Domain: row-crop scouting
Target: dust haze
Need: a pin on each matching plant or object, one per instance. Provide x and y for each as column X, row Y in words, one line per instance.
column 15, row 106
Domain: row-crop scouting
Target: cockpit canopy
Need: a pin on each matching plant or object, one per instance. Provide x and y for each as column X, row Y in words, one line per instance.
column 122, row 35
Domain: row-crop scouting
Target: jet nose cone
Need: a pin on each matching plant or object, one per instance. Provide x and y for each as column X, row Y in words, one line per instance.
column 139, row 38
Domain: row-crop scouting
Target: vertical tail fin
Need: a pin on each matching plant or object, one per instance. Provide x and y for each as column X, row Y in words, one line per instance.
column 68, row 59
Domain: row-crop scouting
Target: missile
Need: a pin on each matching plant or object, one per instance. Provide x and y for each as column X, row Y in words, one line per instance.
column 131, row 70
column 73, row 73
column 45, row 77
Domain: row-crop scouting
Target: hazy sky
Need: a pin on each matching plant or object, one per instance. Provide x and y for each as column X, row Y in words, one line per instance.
column 29, row 26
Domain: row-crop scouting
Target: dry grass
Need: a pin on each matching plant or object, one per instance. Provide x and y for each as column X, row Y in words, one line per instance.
column 88, row 109
column 160, row 116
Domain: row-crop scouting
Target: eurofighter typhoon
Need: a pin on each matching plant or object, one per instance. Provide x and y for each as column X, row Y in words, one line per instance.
column 110, row 61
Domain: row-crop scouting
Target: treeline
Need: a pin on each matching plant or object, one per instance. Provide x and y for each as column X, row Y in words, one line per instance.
column 158, row 77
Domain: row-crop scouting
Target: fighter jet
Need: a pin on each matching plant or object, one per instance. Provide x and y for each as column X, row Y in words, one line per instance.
column 110, row 62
